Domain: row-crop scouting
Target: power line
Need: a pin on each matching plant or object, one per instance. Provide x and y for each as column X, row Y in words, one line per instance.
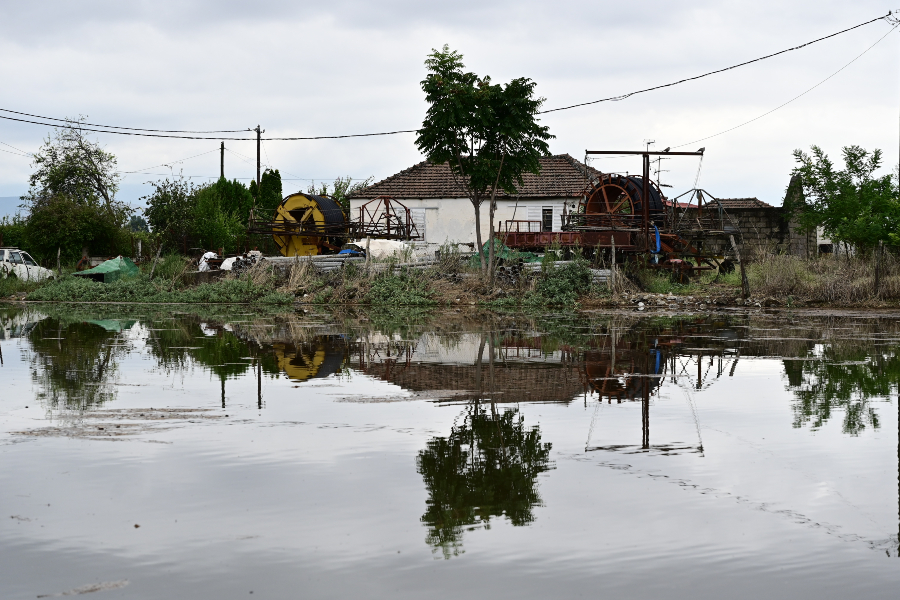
column 158, row 135
column 168, row 164
column 659, row 87
column 15, row 112
column 797, row 97
column 14, row 148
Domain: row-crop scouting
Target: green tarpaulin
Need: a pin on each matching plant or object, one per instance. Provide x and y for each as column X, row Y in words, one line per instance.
column 111, row 270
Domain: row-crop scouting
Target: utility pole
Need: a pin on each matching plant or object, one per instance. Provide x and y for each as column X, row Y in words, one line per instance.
column 222, row 161
column 258, row 145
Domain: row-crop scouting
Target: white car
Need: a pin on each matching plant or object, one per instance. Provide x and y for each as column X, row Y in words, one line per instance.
column 19, row 264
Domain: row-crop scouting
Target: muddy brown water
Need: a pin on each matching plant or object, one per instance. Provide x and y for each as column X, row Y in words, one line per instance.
column 201, row 453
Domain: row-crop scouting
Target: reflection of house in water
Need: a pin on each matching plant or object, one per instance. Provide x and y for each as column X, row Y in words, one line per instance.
column 471, row 366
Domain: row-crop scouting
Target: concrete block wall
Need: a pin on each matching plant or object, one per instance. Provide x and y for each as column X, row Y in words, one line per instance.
column 765, row 230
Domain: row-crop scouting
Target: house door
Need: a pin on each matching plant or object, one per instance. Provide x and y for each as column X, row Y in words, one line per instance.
column 417, row 215
column 547, row 218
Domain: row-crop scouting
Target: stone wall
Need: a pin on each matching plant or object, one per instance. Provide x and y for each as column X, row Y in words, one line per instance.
column 765, row 229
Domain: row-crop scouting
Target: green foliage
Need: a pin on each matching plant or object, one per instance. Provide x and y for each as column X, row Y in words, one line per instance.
column 400, row 290
column 220, row 215
column 487, row 467
column 13, row 285
column 561, row 286
column 170, row 210
column 13, row 231
column 77, row 289
column 271, row 193
column 61, row 223
column 138, row 223
column 210, row 216
column 71, row 199
column 852, row 205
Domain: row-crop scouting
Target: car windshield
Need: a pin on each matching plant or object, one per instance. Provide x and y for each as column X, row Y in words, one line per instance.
column 15, row 257
column 28, row 260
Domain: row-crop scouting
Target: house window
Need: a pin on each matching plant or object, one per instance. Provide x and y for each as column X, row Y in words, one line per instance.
column 547, row 218
column 417, row 215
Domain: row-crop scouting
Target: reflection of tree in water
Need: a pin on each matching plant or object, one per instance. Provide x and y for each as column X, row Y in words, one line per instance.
column 486, row 467
column 842, row 380
column 73, row 364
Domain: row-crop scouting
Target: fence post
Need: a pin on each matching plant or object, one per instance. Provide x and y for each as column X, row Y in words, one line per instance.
column 612, row 267
column 878, row 251
column 745, row 285
column 153, row 268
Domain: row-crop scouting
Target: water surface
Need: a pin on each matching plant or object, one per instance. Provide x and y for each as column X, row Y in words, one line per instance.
column 156, row 453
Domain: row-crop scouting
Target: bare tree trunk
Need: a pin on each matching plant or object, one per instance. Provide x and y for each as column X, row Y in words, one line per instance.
column 477, row 204
column 491, row 211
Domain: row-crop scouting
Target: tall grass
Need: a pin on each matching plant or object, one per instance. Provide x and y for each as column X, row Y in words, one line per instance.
column 826, row 279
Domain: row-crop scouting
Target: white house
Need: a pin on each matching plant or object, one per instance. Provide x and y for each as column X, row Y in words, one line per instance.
column 443, row 214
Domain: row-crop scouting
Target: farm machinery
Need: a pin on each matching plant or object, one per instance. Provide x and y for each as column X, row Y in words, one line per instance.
column 308, row 225
column 629, row 216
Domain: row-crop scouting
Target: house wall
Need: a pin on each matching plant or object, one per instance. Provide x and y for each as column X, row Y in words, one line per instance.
column 452, row 220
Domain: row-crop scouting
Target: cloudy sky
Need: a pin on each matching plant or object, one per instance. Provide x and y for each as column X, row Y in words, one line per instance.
column 331, row 68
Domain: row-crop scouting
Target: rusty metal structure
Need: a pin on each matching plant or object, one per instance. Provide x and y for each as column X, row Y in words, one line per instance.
column 630, row 214
column 308, row 225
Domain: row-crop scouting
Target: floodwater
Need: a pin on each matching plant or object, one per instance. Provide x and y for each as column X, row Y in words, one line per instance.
column 152, row 453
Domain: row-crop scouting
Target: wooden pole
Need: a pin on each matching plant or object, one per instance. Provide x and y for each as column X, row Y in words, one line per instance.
column 222, row 161
column 258, row 143
column 745, row 285
column 878, row 250
column 612, row 266
column 156, row 260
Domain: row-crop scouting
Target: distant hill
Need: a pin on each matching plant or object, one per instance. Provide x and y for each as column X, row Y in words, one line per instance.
column 9, row 205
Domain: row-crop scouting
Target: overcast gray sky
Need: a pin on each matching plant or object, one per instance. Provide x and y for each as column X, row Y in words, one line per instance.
column 346, row 66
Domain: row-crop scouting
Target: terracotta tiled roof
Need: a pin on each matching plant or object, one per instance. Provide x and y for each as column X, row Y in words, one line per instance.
column 744, row 203
column 561, row 176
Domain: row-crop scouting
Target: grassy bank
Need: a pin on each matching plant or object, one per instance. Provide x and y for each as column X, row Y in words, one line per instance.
column 775, row 280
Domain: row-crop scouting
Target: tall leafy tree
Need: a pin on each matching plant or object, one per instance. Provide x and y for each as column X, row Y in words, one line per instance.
column 488, row 133
column 853, row 205
column 270, row 194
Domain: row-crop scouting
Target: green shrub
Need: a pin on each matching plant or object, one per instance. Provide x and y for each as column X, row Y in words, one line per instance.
column 402, row 289
column 140, row 289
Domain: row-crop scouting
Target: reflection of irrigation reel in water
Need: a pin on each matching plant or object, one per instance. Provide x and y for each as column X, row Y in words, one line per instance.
column 319, row 217
column 320, row 358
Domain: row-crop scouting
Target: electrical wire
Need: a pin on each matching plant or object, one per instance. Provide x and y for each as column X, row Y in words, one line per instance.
column 157, row 135
column 15, row 112
column 168, row 164
column 19, row 149
column 15, row 153
column 797, row 97
column 761, row 58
